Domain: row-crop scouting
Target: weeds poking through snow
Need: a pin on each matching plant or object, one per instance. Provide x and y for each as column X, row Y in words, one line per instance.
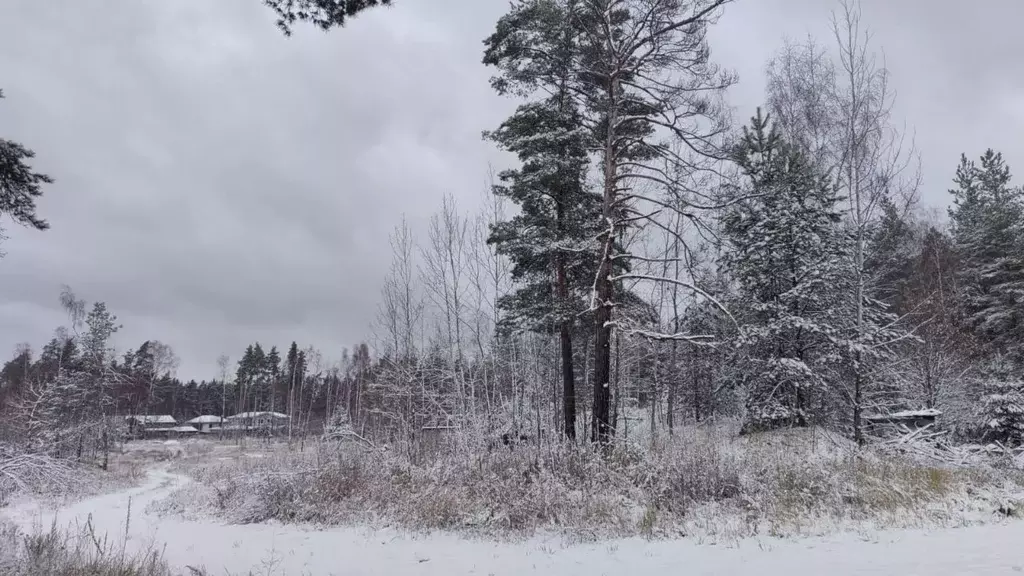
column 703, row 482
column 80, row 552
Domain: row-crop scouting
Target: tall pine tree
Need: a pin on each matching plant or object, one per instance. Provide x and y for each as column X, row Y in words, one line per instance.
column 533, row 48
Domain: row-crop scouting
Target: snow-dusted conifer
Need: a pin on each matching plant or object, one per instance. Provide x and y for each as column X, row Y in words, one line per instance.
column 787, row 252
column 1003, row 401
column 988, row 229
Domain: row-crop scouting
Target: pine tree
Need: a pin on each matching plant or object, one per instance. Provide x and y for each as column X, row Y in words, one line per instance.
column 293, row 378
column 648, row 89
column 786, row 252
column 324, row 14
column 20, row 187
column 988, row 228
column 245, row 376
column 546, row 242
column 273, row 374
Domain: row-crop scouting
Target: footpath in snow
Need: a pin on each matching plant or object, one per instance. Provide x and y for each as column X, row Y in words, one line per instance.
column 989, row 550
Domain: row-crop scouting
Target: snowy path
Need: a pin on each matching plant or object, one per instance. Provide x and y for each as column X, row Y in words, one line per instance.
column 278, row 549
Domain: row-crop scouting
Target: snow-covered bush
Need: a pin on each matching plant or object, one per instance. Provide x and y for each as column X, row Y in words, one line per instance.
column 29, row 472
column 703, row 480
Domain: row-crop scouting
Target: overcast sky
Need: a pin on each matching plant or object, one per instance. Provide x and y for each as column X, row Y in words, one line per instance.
column 219, row 184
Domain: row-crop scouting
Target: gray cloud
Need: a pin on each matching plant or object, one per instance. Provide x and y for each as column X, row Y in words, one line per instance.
column 218, row 183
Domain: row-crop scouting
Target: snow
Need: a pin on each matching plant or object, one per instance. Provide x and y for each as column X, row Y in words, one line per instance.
column 206, row 419
column 273, row 548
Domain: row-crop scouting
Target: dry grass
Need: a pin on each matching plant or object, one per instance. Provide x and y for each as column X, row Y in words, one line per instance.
column 82, row 552
column 703, row 481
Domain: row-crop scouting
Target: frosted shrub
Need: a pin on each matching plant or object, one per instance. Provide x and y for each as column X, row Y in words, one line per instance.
column 703, row 479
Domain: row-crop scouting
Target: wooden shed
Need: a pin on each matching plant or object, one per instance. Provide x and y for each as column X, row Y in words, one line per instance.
column 896, row 421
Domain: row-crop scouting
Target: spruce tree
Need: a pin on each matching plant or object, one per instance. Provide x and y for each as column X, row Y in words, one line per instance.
column 890, row 263
column 786, row 252
column 988, row 229
column 1003, row 401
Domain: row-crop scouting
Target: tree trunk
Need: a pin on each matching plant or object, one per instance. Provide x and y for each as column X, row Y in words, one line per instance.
column 602, row 369
column 106, row 450
column 858, row 433
column 601, row 425
column 568, row 376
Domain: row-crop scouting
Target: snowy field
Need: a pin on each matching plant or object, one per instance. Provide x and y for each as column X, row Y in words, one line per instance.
column 277, row 549
column 217, row 547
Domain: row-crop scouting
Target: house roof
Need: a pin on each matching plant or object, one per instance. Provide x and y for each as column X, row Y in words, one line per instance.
column 206, row 419
column 247, row 415
column 153, row 419
column 184, row 429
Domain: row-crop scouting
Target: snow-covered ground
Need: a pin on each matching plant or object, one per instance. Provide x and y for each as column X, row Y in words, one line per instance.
column 278, row 549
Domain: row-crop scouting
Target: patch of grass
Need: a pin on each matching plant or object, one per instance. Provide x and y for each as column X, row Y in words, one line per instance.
column 72, row 553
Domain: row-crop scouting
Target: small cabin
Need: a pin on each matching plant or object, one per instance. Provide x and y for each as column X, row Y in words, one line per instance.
column 257, row 421
column 206, row 424
column 896, row 421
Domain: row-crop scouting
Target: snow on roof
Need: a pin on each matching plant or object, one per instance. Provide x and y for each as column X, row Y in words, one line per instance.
column 153, row 419
column 184, row 429
column 206, row 419
column 247, row 415
column 924, row 413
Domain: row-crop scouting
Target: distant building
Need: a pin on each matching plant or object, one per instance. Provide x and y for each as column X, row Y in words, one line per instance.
column 206, row 424
column 256, row 421
column 143, row 425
